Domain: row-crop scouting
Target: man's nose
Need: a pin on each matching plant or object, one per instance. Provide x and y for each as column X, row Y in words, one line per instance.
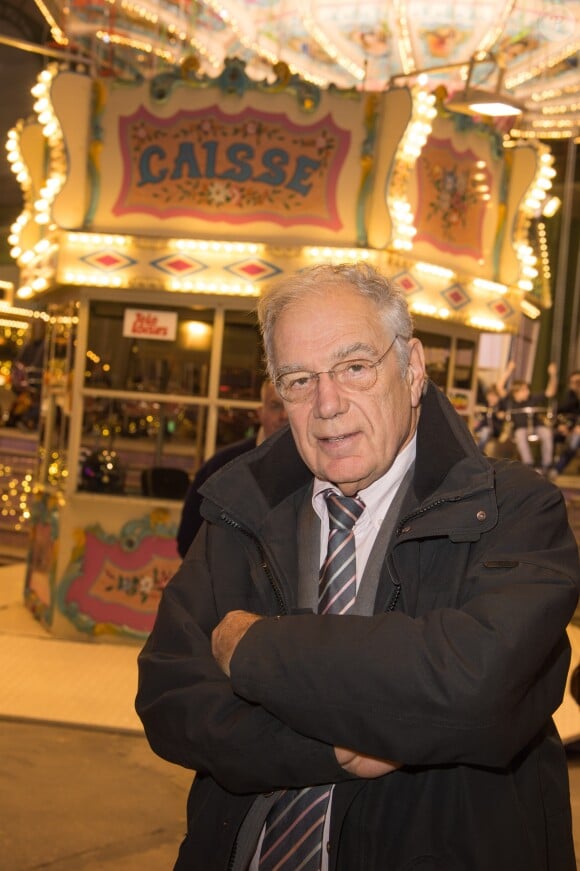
column 329, row 399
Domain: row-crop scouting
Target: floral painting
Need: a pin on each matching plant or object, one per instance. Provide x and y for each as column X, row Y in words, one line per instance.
column 454, row 192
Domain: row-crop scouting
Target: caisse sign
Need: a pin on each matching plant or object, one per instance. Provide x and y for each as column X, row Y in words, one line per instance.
column 238, row 168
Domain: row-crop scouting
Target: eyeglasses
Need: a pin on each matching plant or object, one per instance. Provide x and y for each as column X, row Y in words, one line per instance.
column 349, row 374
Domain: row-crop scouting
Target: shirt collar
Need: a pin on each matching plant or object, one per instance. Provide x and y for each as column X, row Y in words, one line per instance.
column 378, row 496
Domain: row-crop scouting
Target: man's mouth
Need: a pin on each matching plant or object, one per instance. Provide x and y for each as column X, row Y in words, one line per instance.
column 336, row 438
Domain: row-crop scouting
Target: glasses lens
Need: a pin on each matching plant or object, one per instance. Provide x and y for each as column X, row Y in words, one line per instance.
column 356, row 374
column 296, row 387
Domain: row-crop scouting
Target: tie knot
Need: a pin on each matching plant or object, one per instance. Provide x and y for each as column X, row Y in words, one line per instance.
column 343, row 511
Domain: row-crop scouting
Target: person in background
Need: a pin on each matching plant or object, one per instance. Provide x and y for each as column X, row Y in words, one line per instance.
column 488, row 423
column 568, row 426
column 362, row 651
column 271, row 416
column 515, row 404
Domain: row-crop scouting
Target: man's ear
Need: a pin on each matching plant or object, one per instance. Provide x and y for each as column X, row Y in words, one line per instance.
column 416, row 373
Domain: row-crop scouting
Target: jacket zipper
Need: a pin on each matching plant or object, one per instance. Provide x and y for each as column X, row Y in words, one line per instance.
column 393, row 601
column 420, row 511
column 395, row 595
column 264, row 565
column 232, row 858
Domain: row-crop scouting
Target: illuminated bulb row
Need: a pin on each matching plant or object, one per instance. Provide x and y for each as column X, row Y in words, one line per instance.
column 15, row 233
column 14, row 157
column 223, row 288
column 544, row 253
column 554, row 123
column 490, row 286
column 332, row 255
column 16, row 162
column 532, row 204
column 135, row 44
column 566, row 133
column 6, row 308
column 425, row 308
column 533, row 71
column 13, row 325
column 174, row 21
column 39, row 259
column 403, row 228
column 404, row 37
column 75, row 277
column 420, row 126
column 98, row 240
column 561, row 109
column 56, row 172
column 490, row 324
column 433, row 269
column 215, row 247
column 553, row 93
column 410, row 147
column 141, row 10
column 55, row 31
column 541, row 184
column 530, row 310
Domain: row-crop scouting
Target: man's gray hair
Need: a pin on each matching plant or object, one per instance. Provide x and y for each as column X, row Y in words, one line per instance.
column 364, row 279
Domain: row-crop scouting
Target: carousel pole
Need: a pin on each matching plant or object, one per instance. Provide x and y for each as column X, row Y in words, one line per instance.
column 563, row 256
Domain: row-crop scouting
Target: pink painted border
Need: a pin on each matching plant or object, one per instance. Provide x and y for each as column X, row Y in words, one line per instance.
column 97, row 552
column 332, row 223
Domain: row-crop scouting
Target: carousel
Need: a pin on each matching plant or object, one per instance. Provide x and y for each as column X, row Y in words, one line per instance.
column 179, row 156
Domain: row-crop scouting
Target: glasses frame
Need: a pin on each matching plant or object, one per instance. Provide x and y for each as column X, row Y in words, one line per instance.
column 340, row 366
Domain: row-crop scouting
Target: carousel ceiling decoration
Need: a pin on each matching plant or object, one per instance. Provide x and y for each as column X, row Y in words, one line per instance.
column 524, row 50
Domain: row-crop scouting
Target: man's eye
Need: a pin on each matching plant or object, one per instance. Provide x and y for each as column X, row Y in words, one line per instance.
column 299, row 382
column 355, row 368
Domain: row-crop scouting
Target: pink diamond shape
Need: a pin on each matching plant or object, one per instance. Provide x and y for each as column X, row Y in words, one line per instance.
column 178, row 265
column 253, row 269
column 108, row 260
column 455, row 296
column 406, row 283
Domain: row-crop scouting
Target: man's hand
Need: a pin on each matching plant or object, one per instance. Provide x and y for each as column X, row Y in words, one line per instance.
column 228, row 634
column 364, row 766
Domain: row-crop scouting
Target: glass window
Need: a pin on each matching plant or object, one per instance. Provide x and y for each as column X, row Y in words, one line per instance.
column 154, row 349
column 437, row 353
column 128, row 445
column 242, row 369
column 464, row 362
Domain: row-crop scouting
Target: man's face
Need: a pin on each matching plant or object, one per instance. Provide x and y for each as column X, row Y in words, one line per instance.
column 272, row 414
column 349, row 438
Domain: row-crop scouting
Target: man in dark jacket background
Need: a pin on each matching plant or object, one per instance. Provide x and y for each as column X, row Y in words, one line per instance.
column 417, row 716
column 271, row 415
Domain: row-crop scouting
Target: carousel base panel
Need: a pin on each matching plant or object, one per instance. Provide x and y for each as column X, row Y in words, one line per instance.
column 57, row 681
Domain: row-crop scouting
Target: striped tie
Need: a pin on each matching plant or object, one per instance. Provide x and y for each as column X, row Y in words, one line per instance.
column 295, row 825
column 337, row 590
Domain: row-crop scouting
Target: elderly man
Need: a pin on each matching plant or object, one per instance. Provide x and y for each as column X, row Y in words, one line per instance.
column 362, row 651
